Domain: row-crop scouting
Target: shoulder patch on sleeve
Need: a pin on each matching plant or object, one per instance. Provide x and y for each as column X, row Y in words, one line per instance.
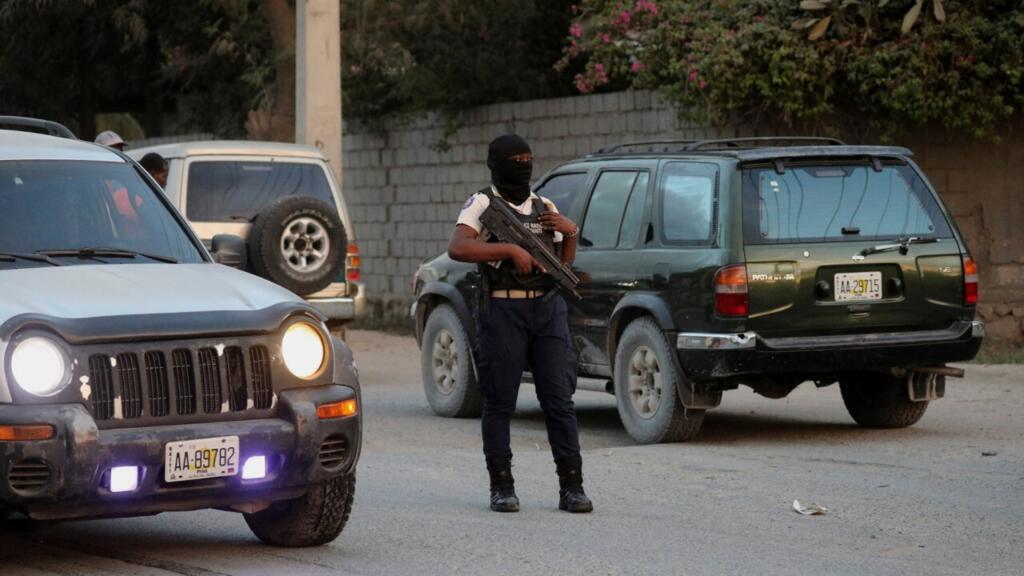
column 469, row 202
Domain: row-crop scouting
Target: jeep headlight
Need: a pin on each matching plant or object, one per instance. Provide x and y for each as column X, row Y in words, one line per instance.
column 40, row 366
column 303, row 350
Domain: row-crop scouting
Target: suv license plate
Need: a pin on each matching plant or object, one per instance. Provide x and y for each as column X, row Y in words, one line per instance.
column 858, row 286
column 201, row 458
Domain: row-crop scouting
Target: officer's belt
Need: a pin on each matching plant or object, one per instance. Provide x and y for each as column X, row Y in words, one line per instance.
column 518, row 294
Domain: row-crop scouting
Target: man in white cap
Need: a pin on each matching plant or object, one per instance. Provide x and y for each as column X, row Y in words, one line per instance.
column 110, row 139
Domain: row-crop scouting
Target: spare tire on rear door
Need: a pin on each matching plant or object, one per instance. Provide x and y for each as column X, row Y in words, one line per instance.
column 298, row 242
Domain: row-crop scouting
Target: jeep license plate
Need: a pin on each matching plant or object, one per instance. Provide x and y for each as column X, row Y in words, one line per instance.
column 858, row 286
column 201, row 458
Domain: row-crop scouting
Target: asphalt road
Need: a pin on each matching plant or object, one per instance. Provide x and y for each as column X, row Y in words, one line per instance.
column 925, row 500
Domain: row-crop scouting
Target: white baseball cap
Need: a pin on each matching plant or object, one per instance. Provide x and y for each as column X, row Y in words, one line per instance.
column 109, row 138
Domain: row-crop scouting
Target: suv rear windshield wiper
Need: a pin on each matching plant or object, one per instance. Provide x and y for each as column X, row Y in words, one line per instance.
column 108, row 253
column 12, row 256
column 903, row 246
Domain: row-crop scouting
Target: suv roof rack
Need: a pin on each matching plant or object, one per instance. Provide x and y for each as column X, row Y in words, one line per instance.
column 763, row 142
column 653, row 146
column 37, row 125
column 720, row 144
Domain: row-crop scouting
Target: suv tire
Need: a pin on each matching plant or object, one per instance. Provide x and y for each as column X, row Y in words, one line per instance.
column 647, row 376
column 298, row 242
column 880, row 401
column 314, row 519
column 446, row 361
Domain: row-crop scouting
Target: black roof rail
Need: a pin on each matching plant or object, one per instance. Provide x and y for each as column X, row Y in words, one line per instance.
column 728, row 143
column 652, row 144
column 36, row 125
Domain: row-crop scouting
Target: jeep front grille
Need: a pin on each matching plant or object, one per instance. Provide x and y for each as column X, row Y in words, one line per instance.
column 209, row 378
column 142, row 384
column 259, row 368
column 156, row 377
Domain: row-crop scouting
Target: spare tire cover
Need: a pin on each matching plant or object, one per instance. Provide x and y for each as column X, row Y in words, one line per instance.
column 299, row 243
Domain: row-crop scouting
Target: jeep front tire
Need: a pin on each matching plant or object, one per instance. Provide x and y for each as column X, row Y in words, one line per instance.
column 446, row 362
column 314, row 519
column 647, row 376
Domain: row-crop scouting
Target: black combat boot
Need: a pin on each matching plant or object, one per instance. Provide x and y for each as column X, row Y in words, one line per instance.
column 503, row 492
column 571, row 497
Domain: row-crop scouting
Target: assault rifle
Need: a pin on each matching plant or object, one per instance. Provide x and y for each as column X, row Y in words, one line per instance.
column 500, row 221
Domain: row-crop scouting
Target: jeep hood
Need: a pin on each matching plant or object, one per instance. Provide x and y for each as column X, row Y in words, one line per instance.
column 103, row 290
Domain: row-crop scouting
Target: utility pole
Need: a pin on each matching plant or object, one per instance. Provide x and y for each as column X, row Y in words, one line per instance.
column 318, row 77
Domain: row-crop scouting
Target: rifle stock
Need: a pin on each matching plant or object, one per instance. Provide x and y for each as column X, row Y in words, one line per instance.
column 499, row 220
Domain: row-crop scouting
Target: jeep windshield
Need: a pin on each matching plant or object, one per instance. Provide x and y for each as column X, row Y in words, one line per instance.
column 849, row 202
column 74, row 212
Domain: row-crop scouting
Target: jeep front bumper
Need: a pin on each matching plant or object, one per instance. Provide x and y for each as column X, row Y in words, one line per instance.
column 67, row 476
column 706, row 356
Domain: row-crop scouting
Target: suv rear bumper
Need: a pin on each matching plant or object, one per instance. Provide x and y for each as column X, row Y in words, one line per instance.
column 340, row 302
column 705, row 355
column 78, row 458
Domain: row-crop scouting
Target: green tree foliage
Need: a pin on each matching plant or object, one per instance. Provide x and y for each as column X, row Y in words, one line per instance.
column 814, row 65
column 203, row 63
column 402, row 58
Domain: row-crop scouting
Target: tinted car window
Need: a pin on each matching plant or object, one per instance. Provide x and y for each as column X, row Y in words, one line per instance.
column 561, row 189
column 838, row 203
column 604, row 213
column 688, row 194
column 226, row 191
column 633, row 218
column 48, row 205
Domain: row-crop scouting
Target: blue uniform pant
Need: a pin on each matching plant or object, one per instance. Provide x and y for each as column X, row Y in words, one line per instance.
column 518, row 334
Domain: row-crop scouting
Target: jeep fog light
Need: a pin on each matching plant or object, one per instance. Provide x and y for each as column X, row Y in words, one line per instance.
column 124, row 478
column 255, row 468
column 303, row 350
column 39, row 366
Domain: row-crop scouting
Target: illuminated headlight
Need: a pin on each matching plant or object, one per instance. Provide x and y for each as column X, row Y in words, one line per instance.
column 39, row 366
column 303, row 350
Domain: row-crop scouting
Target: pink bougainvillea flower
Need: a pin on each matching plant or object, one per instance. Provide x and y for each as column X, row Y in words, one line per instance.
column 702, row 84
column 637, row 66
column 693, row 75
column 605, row 37
column 622, row 20
column 582, row 85
column 576, row 30
column 646, row 6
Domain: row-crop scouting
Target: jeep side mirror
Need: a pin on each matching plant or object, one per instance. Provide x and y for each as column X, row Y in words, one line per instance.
column 228, row 250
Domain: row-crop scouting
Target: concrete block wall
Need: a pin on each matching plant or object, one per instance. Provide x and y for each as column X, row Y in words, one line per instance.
column 404, row 194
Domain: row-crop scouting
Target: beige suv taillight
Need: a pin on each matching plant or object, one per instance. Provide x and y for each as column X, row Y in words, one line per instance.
column 352, row 264
column 970, row 281
column 731, row 291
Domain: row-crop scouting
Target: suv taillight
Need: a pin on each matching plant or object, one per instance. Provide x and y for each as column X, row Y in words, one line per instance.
column 970, row 281
column 352, row 264
column 731, row 291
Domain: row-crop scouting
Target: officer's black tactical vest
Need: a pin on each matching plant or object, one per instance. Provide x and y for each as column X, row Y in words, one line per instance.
column 505, row 277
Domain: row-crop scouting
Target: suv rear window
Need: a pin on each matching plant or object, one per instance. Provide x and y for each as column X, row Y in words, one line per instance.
column 224, row 191
column 836, row 203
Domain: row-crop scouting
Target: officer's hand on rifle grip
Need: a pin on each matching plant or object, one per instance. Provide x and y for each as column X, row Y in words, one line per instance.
column 523, row 261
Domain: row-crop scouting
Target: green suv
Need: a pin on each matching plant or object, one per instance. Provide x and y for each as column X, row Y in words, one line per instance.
column 766, row 262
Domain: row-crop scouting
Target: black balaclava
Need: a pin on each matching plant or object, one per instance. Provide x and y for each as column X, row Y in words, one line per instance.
column 511, row 162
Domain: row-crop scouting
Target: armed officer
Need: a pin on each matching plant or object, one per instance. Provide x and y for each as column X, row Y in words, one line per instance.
column 517, row 328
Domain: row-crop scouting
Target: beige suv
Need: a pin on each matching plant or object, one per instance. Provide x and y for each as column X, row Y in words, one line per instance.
column 284, row 201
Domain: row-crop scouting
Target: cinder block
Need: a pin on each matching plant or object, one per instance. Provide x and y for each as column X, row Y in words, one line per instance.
column 582, row 104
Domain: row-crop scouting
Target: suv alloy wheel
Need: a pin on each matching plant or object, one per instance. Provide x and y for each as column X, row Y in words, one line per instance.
column 647, row 375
